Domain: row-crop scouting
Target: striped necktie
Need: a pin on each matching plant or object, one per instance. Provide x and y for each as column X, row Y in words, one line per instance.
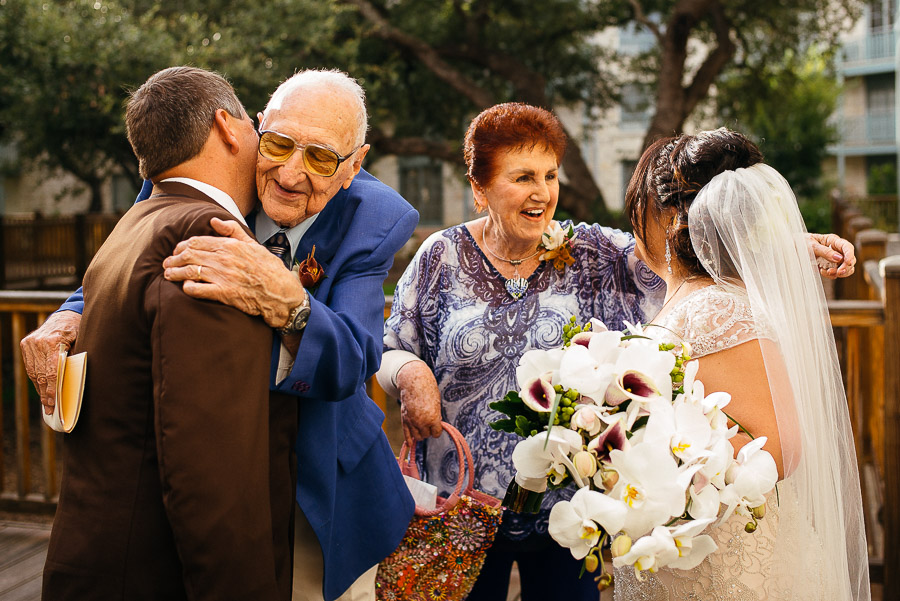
column 279, row 246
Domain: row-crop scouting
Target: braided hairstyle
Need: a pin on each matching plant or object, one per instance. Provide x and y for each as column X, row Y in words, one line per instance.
column 669, row 175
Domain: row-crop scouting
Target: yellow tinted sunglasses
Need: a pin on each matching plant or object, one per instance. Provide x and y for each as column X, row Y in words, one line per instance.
column 318, row 159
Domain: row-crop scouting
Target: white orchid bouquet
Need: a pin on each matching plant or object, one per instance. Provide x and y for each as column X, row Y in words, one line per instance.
column 620, row 416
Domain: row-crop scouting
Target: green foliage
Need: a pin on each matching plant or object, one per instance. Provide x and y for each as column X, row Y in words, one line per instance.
column 785, row 106
column 882, row 179
column 523, row 421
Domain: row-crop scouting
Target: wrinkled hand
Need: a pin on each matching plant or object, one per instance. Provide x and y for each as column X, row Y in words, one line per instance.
column 40, row 351
column 236, row 270
column 835, row 256
column 420, row 401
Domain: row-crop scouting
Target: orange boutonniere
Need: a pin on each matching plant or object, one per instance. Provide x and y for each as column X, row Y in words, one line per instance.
column 558, row 244
column 309, row 271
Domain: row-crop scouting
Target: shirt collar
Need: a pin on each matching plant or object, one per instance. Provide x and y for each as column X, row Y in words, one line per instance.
column 265, row 228
column 221, row 198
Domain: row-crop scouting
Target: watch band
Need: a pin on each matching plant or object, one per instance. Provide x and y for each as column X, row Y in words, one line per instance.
column 297, row 319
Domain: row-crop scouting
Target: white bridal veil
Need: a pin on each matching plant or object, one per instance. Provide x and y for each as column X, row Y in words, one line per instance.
column 746, row 228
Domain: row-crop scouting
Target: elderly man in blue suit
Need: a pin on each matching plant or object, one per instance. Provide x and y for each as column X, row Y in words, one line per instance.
column 316, row 202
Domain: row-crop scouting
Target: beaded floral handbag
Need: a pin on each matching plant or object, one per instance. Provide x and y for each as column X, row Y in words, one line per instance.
column 443, row 550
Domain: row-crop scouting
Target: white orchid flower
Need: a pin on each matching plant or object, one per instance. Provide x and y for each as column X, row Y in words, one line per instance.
column 578, row 524
column 534, row 461
column 705, row 502
column 750, row 478
column 715, row 465
column 650, row 484
column 650, row 552
column 682, row 426
column 537, row 363
column 589, row 370
column 692, row 546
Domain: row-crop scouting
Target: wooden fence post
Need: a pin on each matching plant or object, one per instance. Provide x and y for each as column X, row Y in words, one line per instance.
column 890, row 270
column 871, row 245
column 81, row 251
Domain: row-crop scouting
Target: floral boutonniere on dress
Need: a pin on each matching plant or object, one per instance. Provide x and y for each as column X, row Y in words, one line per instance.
column 557, row 243
column 309, row 271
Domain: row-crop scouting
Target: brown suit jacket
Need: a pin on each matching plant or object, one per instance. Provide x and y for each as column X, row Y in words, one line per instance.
column 178, row 479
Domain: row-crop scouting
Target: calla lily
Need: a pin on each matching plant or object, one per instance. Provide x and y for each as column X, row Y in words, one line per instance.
column 631, row 385
column 538, row 394
column 578, row 524
column 644, row 372
column 613, row 438
column 536, row 363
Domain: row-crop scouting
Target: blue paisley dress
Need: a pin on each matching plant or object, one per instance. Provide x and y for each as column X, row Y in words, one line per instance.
column 452, row 310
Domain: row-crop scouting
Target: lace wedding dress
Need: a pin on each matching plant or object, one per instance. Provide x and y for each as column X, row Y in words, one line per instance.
column 714, row 319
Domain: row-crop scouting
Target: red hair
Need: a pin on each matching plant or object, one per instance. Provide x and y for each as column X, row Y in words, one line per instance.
column 505, row 127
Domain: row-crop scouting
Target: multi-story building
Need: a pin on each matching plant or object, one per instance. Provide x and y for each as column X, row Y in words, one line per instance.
column 866, row 153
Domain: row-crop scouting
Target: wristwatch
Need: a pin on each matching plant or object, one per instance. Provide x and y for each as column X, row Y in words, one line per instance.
column 297, row 319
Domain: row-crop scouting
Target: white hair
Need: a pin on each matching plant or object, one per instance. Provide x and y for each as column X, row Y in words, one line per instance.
column 326, row 78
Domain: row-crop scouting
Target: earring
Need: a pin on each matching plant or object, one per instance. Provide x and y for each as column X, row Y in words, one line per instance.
column 668, row 253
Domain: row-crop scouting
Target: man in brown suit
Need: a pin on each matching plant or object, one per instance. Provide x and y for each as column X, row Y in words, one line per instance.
column 177, row 480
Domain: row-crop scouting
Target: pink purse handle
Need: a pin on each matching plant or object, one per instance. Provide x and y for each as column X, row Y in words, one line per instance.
column 408, row 467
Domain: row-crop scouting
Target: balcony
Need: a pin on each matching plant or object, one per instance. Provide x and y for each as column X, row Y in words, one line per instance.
column 867, row 134
column 873, row 53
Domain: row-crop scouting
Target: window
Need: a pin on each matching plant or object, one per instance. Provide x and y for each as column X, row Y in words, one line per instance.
column 881, row 15
column 880, row 94
column 422, row 185
column 636, row 106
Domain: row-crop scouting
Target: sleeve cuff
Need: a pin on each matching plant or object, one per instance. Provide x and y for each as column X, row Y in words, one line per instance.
column 391, row 363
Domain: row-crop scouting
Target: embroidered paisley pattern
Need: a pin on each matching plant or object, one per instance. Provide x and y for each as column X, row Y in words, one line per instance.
column 451, row 309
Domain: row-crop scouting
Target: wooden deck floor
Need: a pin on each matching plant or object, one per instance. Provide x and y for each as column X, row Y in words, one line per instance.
column 23, row 548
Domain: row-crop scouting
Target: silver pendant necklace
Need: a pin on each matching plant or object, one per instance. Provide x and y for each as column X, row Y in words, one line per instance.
column 516, row 286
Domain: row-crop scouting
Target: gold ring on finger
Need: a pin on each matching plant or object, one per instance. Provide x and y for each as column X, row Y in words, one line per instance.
column 199, row 272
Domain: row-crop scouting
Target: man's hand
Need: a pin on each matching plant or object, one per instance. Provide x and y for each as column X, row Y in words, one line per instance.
column 236, row 270
column 834, row 255
column 420, row 401
column 40, row 350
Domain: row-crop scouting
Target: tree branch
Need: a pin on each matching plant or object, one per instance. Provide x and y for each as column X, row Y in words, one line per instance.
column 425, row 53
column 724, row 51
column 413, row 146
column 642, row 18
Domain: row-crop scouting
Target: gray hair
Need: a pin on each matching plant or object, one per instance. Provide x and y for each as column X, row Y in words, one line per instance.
column 327, row 78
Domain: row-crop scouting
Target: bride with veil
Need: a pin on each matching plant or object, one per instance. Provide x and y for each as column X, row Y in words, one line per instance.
column 724, row 231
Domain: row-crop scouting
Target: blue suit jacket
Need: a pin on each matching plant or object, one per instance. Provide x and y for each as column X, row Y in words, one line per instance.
column 348, row 486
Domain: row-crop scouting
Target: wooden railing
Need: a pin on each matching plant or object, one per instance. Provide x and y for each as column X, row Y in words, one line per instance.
column 50, row 252
column 866, row 317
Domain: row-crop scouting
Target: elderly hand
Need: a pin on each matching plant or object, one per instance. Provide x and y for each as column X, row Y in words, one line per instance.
column 236, row 270
column 40, row 351
column 420, row 401
column 834, row 255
